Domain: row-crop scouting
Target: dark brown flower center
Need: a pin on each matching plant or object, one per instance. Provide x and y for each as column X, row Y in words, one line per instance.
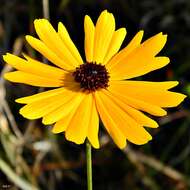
column 91, row 76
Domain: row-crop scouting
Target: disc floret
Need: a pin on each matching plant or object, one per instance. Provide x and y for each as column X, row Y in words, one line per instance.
column 91, row 76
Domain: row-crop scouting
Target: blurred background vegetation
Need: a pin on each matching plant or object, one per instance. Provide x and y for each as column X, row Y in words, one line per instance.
column 31, row 157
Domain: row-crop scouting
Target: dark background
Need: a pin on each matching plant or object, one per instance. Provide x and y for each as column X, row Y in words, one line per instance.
column 35, row 157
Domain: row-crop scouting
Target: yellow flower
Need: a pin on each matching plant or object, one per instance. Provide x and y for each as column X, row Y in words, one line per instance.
column 97, row 87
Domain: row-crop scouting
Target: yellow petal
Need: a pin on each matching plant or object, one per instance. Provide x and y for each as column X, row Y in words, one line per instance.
column 48, row 53
column 134, row 132
column 162, row 99
column 110, row 125
column 141, row 86
column 133, row 44
column 115, row 44
column 61, row 125
column 89, row 30
column 30, row 79
column 140, row 105
column 93, row 126
column 52, row 40
column 40, row 96
column 138, row 116
column 44, row 106
column 104, row 31
column 154, row 45
column 140, row 61
column 64, row 35
column 63, row 110
column 137, row 66
column 130, row 128
column 149, row 93
column 79, row 125
column 34, row 67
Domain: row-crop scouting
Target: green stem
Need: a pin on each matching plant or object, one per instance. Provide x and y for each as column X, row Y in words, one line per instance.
column 89, row 164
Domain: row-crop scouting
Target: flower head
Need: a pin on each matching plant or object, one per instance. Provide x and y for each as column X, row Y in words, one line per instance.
column 98, row 87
